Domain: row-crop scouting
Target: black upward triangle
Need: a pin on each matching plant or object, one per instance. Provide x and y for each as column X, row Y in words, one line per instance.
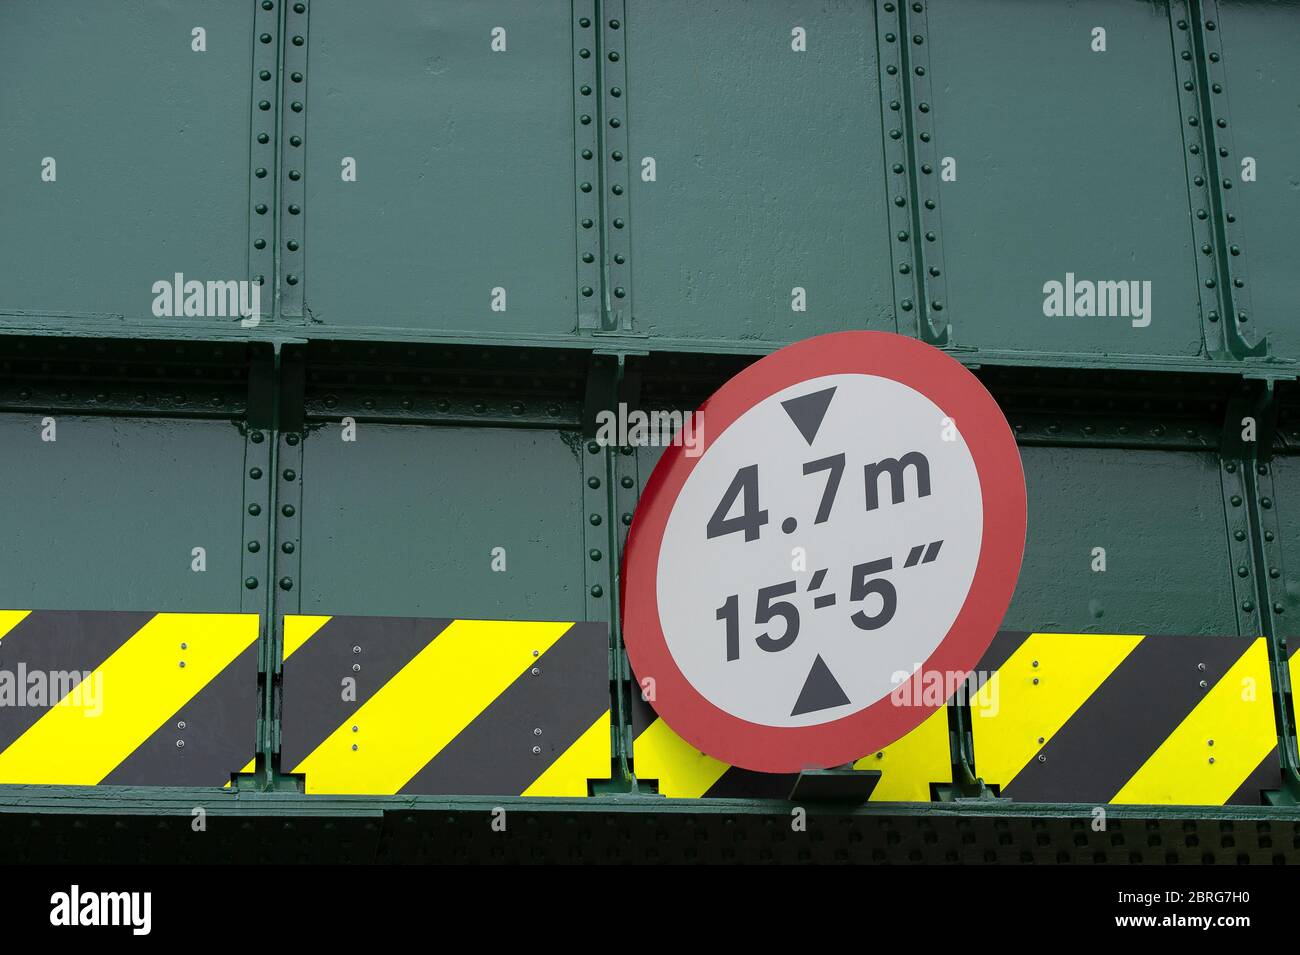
column 807, row 411
column 820, row 691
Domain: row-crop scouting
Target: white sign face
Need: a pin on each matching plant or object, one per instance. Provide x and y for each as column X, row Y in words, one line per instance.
column 820, row 550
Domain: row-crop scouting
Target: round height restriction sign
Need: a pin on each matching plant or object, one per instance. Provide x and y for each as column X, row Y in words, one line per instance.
column 854, row 514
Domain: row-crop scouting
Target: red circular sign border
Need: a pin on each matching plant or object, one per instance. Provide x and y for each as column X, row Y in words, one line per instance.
column 997, row 462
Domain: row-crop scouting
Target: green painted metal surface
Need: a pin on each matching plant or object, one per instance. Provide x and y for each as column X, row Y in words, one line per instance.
column 626, row 200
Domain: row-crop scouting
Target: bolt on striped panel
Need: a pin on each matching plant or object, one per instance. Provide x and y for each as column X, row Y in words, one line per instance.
column 908, row 767
column 387, row 705
column 1116, row 718
column 127, row 699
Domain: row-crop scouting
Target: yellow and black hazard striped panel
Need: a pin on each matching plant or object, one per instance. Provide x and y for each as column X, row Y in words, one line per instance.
column 908, row 767
column 384, row 705
column 1115, row 718
column 126, row 699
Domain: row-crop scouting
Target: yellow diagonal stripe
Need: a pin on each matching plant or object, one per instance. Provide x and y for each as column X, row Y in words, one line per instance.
column 10, row 619
column 1011, row 712
column 421, row 709
column 298, row 630
column 682, row 770
column 908, row 766
column 1237, row 714
column 139, row 687
column 587, row 758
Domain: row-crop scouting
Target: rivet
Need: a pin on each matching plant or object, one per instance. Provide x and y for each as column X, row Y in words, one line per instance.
column 1247, row 606
column 182, row 664
column 265, row 38
column 180, row 744
column 536, row 671
column 584, row 22
column 618, row 223
column 902, row 237
column 890, row 38
column 597, row 590
column 1236, row 500
column 1203, row 684
column 1278, row 608
column 292, row 245
column 259, row 243
column 1239, row 535
column 587, row 291
column 1230, row 467
column 356, row 649
column 906, row 304
column 587, row 223
column 537, row 750
column 1211, row 760
column 354, row 747
column 1265, row 502
column 294, row 210
column 627, row 519
column 615, row 122
column 904, row 269
column 299, row 7
column 1041, row 740
column 1035, row 681
column 263, row 138
column 899, row 201
column 291, row 279
column 537, row 731
column 588, row 257
column 180, row 725
column 254, row 509
column 616, row 155
column 594, row 519
column 296, row 77
column 1042, row 758
column 613, row 56
column 260, row 208
column 254, row 547
column 1242, row 571
column 355, row 729
column 537, row 653
column 295, row 175
column 627, row 481
column 250, row 583
column 619, row 291
column 1035, row 664
column 594, row 554
column 286, row 583
column 616, row 189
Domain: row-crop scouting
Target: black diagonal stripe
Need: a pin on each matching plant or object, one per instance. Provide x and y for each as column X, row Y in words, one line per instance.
column 312, row 698
column 1267, row 775
column 1126, row 719
column 642, row 715
column 220, row 734
column 494, row 754
column 738, row 783
column 1005, row 643
column 54, row 641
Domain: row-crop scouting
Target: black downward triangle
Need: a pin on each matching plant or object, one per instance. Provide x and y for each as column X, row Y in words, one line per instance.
column 807, row 411
column 820, row 691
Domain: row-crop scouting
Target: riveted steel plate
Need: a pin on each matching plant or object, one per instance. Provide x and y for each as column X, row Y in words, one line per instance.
column 149, row 142
column 405, row 520
column 1159, row 517
column 768, row 172
column 1067, row 161
column 107, row 515
column 1263, row 99
column 464, row 167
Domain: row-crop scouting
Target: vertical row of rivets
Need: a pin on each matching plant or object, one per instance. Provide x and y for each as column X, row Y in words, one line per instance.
column 291, row 254
column 614, row 165
column 913, row 170
column 1236, row 507
column 586, row 161
column 596, row 536
column 262, row 146
column 627, row 474
column 1274, row 597
column 257, row 538
column 1220, row 160
column 256, row 522
column 288, row 508
column 1199, row 73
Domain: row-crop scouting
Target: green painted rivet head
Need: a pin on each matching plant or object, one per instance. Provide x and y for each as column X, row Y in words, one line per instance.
column 1210, row 283
column 1247, row 606
column 594, row 519
column 291, row 439
column 295, row 175
column 268, row 5
column 296, row 106
column 1266, row 502
column 260, row 172
column 255, row 473
column 904, row 269
column 588, row 257
column 620, row 292
column 584, row 22
column 254, row 547
column 259, row 243
column 1194, row 149
column 289, row 474
column 586, row 154
column 615, row 122
column 627, row 519
column 594, row 554
column 588, row 291
column 929, row 203
column 291, row 279
column 937, row 305
column 902, row 237
column 294, row 210
column 619, row 223
column 300, row 8
column 906, row 304
column 614, row 24
column 1231, row 467
column 256, row 437
column 616, row 91
column 918, row 39
column 616, row 189
column 890, row 38
column 263, row 138
column 292, row 245
column 1236, row 500
column 1188, row 86
column 287, row 547
column 891, row 69
column 264, row 76
column 296, row 77
column 593, row 447
column 616, row 155
column 286, row 583
column 899, row 201
column 584, row 89
column 626, row 481
column 1278, row 608
column 297, row 41
column 260, row 208
column 613, row 56
column 597, row 590
column 585, row 119
column 587, row 223
column 1186, row 54
column 923, row 107
column 585, row 186
column 264, row 105
column 584, row 53
column 1201, row 213
column 1242, row 571
column 250, row 583
column 895, row 134
column 255, row 509
column 288, row 510
column 1213, row 315
column 898, row 168
column 619, row 258
column 1239, row 535
column 265, row 38
column 593, row 482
